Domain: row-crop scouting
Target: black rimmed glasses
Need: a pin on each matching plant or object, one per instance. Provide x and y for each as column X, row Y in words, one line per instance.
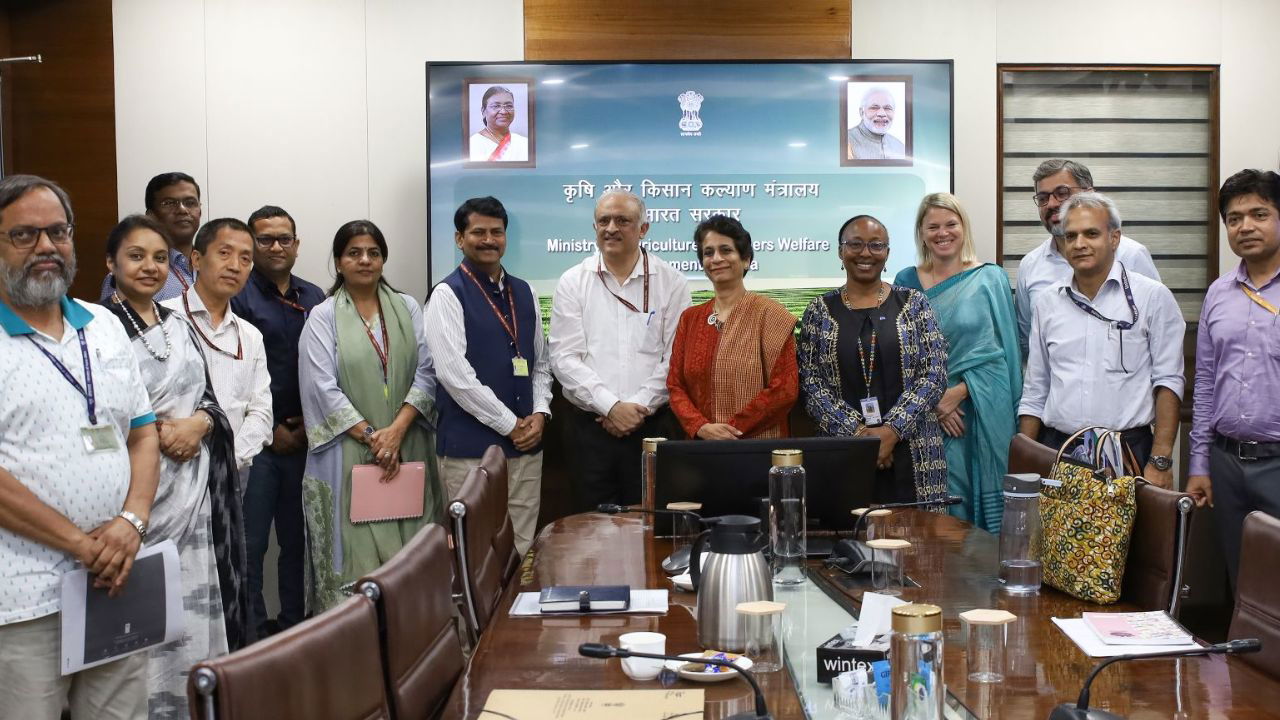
column 266, row 241
column 857, row 246
column 1062, row 192
column 25, row 237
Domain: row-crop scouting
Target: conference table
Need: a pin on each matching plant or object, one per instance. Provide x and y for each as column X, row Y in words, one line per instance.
column 952, row 562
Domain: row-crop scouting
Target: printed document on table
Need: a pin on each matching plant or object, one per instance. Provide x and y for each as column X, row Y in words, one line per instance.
column 1087, row 640
column 97, row 629
column 684, row 703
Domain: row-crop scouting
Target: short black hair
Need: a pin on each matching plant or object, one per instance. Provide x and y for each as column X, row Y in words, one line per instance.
column 164, row 180
column 1263, row 183
column 266, row 212
column 350, row 231
column 854, row 219
column 125, row 228
column 730, row 228
column 487, row 206
column 13, row 187
column 210, row 230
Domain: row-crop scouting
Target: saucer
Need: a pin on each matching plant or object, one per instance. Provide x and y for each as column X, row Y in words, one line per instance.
column 706, row 677
column 684, row 581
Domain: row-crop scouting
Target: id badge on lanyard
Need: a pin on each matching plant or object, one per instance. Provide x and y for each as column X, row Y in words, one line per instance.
column 97, row 437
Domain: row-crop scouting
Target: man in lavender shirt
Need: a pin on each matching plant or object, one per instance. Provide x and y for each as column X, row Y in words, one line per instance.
column 1235, row 431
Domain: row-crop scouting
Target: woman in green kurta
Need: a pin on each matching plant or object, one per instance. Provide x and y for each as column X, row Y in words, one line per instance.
column 974, row 307
column 368, row 389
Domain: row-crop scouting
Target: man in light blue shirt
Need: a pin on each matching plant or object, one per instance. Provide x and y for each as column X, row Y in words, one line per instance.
column 1056, row 181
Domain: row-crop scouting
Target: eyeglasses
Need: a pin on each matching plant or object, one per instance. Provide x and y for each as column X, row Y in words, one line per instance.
column 25, row 237
column 857, row 246
column 500, row 106
column 171, row 204
column 266, row 241
column 622, row 221
column 1062, row 192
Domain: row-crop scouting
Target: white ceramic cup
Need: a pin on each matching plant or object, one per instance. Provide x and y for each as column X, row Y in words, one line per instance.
column 647, row 642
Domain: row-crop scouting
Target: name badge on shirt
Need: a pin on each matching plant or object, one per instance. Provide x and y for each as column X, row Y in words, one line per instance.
column 519, row 367
column 871, row 410
column 100, row 438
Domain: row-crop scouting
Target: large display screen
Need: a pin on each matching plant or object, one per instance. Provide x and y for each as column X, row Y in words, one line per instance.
column 791, row 149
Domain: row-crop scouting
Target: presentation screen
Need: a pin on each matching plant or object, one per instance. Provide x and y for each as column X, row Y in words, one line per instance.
column 791, row 149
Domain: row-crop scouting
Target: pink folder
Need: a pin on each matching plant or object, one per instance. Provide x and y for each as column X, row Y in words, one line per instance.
column 399, row 498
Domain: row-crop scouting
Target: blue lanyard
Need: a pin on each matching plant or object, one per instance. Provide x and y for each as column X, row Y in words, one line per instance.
column 1128, row 297
column 88, row 374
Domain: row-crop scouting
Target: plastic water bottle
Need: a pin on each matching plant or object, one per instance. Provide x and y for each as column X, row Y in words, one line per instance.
column 1020, row 531
column 788, row 535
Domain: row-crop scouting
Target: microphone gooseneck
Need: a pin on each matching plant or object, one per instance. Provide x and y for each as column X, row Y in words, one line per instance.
column 603, row 651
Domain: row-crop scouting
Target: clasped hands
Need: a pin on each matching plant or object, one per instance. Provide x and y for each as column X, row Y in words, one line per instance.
column 180, row 439
column 528, row 432
column 624, row 418
column 107, row 552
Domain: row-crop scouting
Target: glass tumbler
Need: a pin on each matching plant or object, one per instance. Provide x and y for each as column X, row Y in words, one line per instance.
column 765, row 636
column 987, row 632
column 888, row 557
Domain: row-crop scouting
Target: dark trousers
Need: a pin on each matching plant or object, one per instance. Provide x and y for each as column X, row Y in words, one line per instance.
column 606, row 468
column 1138, row 440
column 1239, row 488
column 275, row 494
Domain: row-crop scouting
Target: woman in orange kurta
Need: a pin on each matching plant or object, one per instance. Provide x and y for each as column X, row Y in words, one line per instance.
column 733, row 364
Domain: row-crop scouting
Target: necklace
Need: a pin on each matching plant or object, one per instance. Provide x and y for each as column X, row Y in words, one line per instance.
column 844, row 297
column 714, row 317
column 115, row 297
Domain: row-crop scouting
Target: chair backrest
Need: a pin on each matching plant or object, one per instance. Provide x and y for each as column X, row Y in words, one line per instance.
column 1028, row 456
column 422, row 653
column 1157, row 548
column 484, row 540
column 1257, row 613
column 325, row 668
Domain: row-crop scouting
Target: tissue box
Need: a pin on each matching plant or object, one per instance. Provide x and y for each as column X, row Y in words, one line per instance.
column 838, row 655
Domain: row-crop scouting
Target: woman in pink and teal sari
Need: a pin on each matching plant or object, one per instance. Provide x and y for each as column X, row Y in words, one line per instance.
column 974, row 307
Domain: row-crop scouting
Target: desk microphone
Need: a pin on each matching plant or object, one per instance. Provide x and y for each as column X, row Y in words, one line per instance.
column 602, row 651
column 678, row 561
column 1080, row 710
column 849, row 552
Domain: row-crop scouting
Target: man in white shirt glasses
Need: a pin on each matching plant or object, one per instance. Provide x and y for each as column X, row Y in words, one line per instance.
column 1105, row 346
column 79, row 461
column 613, row 318
column 1056, row 180
column 492, row 363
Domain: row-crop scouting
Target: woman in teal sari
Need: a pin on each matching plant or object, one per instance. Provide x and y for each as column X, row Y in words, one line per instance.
column 974, row 306
column 368, row 398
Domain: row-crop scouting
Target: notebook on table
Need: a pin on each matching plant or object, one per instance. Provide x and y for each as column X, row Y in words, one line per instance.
column 399, row 498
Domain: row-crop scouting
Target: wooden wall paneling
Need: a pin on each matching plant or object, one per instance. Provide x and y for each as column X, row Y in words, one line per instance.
column 62, row 122
column 683, row 29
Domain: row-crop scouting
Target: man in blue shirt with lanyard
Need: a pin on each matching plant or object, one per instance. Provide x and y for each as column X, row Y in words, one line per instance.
column 79, row 461
column 485, row 336
column 276, row 301
column 1105, row 347
column 173, row 199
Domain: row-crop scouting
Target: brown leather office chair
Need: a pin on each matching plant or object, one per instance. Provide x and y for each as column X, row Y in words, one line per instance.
column 484, row 541
column 1028, row 456
column 1257, row 612
column 326, row 668
column 1157, row 549
column 422, row 654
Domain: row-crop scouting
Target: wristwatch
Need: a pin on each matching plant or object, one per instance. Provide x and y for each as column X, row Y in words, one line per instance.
column 368, row 434
column 136, row 522
column 1161, row 462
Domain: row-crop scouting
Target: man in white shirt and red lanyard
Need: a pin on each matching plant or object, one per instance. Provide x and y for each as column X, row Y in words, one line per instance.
column 613, row 319
column 492, row 363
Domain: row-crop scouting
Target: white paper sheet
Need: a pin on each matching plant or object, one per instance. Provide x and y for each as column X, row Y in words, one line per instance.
column 1087, row 640
column 148, row 612
column 875, row 617
column 642, row 601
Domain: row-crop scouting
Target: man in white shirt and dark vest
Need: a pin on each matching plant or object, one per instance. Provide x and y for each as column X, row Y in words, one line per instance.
column 1106, row 347
column 1056, row 181
column 79, row 462
column 613, row 319
column 485, row 335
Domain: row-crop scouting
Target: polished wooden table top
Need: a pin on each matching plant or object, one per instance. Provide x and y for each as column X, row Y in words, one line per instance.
column 953, row 562
column 542, row 652
column 955, row 565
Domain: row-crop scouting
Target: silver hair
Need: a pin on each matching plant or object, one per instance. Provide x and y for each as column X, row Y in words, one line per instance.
column 626, row 194
column 1053, row 166
column 862, row 104
column 1095, row 200
column 28, row 291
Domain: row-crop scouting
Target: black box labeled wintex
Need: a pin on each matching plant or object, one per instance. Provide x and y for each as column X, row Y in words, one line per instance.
column 838, row 655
